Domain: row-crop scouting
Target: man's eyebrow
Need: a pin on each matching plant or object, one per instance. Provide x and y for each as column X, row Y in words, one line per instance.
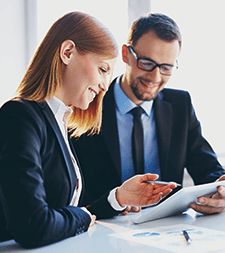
column 147, row 58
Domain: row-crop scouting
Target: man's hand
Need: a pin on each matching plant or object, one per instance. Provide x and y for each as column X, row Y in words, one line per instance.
column 215, row 204
column 134, row 192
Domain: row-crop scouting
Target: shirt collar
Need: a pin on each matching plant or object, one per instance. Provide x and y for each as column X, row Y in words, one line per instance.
column 124, row 104
column 59, row 108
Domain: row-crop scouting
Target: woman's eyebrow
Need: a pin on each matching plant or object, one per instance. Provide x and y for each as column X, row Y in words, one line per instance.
column 108, row 67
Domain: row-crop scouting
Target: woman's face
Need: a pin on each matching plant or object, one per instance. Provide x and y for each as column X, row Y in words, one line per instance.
column 84, row 76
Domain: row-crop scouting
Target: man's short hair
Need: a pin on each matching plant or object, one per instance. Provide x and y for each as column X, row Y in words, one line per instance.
column 164, row 27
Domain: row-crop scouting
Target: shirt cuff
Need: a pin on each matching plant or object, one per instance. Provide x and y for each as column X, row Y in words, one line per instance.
column 113, row 201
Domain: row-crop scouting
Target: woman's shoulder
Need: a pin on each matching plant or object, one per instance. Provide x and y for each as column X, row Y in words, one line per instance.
column 17, row 103
column 19, row 107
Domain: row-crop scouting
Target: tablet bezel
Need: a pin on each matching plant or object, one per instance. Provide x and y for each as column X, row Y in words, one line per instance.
column 179, row 202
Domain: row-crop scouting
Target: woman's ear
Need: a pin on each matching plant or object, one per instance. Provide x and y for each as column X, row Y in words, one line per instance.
column 66, row 50
column 125, row 53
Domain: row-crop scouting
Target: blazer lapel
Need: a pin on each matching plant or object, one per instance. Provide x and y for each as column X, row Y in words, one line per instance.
column 163, row 117
column 69, row 164
column 109, row 128
column 81, row 173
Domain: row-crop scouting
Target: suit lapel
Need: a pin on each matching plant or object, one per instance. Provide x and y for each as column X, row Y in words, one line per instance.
column 163, row 117
column 78, row 163
column 109, row 128
column 69, row 164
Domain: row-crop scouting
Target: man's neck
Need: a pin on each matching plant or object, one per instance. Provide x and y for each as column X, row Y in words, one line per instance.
column 124, row 84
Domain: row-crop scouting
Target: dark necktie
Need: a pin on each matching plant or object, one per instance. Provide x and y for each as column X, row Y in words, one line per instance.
column 137, row 141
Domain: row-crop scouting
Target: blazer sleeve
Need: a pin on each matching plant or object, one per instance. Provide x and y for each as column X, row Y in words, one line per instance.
column 102, row 208
column 180, row 140
column 31, row 220
column 201, row 163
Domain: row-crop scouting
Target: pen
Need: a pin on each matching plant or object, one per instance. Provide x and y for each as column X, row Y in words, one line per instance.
column 162, row 182
column 186, row 236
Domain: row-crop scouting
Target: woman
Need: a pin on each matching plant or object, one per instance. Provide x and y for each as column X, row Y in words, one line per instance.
column 41, row 182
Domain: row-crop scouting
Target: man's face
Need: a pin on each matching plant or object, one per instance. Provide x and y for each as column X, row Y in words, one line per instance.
column 140, row 85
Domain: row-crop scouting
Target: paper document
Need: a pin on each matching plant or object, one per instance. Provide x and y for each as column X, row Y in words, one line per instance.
column 171, row 238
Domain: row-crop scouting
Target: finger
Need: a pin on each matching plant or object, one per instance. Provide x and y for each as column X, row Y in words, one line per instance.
column 154, row 199
column 161, row 186
column 135, row 209
column 123, row 213
column 126, row 211
column 166, row 192
column 148, row 177
column 206, row 209
column 213, row 202
column 220, row 193
column 163, row 189
column 221, row 178
column 128, row 208
column 221, row 190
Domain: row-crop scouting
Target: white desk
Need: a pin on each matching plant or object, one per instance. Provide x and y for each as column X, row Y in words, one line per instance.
column 98, row 239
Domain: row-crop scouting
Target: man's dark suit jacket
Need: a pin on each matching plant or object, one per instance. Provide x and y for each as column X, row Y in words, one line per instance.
column 37, row 179
column 180, row 145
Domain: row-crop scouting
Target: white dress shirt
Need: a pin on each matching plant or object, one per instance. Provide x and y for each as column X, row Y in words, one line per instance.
column 125, row 124
column 61, row 113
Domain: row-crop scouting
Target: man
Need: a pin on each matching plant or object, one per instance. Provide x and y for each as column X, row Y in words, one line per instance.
column 171, row 132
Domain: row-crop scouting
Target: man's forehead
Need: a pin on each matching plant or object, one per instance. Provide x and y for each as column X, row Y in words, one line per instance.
column 161, row 51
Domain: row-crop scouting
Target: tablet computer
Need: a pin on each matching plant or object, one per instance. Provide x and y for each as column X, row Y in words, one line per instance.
column 178, row 202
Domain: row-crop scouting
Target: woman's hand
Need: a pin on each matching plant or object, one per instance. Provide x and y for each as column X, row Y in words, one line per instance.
column 131, row 209
column 135, row 192
column 92, row 216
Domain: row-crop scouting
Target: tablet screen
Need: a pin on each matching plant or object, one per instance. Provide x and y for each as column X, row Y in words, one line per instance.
column 178, row 202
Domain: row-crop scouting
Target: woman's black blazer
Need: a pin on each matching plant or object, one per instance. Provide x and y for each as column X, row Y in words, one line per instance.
column 37, row 178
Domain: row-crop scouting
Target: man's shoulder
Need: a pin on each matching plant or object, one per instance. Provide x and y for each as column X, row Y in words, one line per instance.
column 174, row 95
column 174, row 92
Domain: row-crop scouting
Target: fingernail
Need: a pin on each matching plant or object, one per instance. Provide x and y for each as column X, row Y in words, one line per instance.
column 221, row 189
column 201, row 200
column 193, row 206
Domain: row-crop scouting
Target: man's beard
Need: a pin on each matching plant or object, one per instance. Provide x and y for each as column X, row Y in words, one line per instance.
column 143, row 95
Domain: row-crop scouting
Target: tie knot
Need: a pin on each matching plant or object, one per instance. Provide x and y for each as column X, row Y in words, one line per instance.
column 137, row 111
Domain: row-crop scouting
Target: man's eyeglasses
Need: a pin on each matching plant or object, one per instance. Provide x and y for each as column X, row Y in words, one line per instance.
column 149, row 65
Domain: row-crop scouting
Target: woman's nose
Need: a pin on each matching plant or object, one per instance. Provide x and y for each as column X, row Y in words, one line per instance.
column 104, row 84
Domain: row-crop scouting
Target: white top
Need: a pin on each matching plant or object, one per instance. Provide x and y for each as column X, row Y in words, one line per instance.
column 61, row 113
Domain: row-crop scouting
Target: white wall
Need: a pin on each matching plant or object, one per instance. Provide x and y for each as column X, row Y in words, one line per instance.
column 112, row 13
column 14, row 44
column 201, row 62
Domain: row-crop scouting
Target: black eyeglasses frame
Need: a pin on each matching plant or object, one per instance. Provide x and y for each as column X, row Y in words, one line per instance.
column 150, row 60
